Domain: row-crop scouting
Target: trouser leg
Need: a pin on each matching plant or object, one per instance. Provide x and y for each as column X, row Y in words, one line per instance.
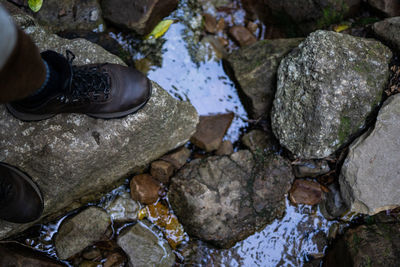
column 22, row 70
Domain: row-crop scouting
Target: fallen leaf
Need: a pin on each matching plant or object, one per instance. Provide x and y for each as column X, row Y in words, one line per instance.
column 341, row 27
column 160, row 29
column 35, row 5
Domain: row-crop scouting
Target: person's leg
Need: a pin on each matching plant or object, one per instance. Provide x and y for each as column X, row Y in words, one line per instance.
column 22, row 70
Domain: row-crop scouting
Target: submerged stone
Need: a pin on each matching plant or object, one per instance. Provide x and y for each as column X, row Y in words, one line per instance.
column 144, row 247
column 369, row 179
column 326, row 89
column 225, row 199
column 80, row 231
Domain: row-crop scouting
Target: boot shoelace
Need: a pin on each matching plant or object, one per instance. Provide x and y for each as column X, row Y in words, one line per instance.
column 88, row 83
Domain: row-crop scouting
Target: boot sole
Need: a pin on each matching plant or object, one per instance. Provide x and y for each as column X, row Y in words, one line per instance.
column 26, row 178
column 115, row 115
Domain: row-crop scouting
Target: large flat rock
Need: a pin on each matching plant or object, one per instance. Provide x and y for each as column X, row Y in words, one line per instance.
column 72, row 156
column 370, row 176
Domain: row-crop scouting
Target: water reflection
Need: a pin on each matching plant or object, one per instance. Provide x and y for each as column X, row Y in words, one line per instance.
column 300, row 235
column 204, row 84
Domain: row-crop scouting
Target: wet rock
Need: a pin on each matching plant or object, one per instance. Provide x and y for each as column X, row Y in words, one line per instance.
column 389, row 31
column 140, row 15
column 317, row 107
column 144, row 188
column 18, row 255
column 91, row 254
column 210, row 131
column 366, row 245
column 242, row 35
column 80, row 231
column 72, row 156
column 114, row 260
column 299, row 18
column 252, row 27
column 305, row 192
column 161, row 170
column 225, row 199
column 177, row 158
column 255, row 69
column 226, row 148
column 70, row 15
column 123, row 208
column 310, row 168
column 369, row 178
column 210, row 23
column 389, row 8
column 144, row 247
column 257, row 140
column 333, row 205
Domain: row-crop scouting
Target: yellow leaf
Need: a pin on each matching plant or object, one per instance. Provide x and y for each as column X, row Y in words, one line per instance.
column 160, row 29
column 35, row 5
column 341, row 27
column 142, row 214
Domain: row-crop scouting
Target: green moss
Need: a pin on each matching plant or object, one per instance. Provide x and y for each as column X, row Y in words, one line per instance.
column 344, row 129
column 331, row 15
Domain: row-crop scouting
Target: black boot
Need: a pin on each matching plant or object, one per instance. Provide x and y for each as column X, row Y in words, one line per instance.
column 20, row 199
column 99, row 90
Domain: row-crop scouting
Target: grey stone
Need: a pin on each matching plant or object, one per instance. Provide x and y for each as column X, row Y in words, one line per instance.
column 224, row 199
column 370, row 176
column 257, row 140
column 310, row 168
column 123, row 208
column 366, row 245
column 389, row 31
column 145, row 248
column 73, row 156
column 139, row 15
column 70, row 15
column 300, row 17
column 326, row 89
column 390, row 8
column 80, row 231
column 332, row 205
column 255, row 68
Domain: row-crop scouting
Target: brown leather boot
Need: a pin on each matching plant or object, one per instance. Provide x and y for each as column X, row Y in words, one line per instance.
column 100, row 90
column 20, row 199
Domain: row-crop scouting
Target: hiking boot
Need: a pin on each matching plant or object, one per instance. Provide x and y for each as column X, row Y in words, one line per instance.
column 104, row 91
column 20, row 199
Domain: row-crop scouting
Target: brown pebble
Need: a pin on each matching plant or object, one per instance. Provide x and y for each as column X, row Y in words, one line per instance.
column 226, row 148
column 305, row 192
column 161, row 170
column 223, row 41
column 210, row 23
column 220, row 25
column 242, row 35
column 144, row 189
column 210, row 131
column 91, row 254
column 252, row 27
column 115, row 259
column 177, row 158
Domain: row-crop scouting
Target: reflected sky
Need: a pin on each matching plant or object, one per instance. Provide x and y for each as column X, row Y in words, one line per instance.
column 205, row 84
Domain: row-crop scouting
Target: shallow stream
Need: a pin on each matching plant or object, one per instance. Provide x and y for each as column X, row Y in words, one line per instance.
column 190, row 68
